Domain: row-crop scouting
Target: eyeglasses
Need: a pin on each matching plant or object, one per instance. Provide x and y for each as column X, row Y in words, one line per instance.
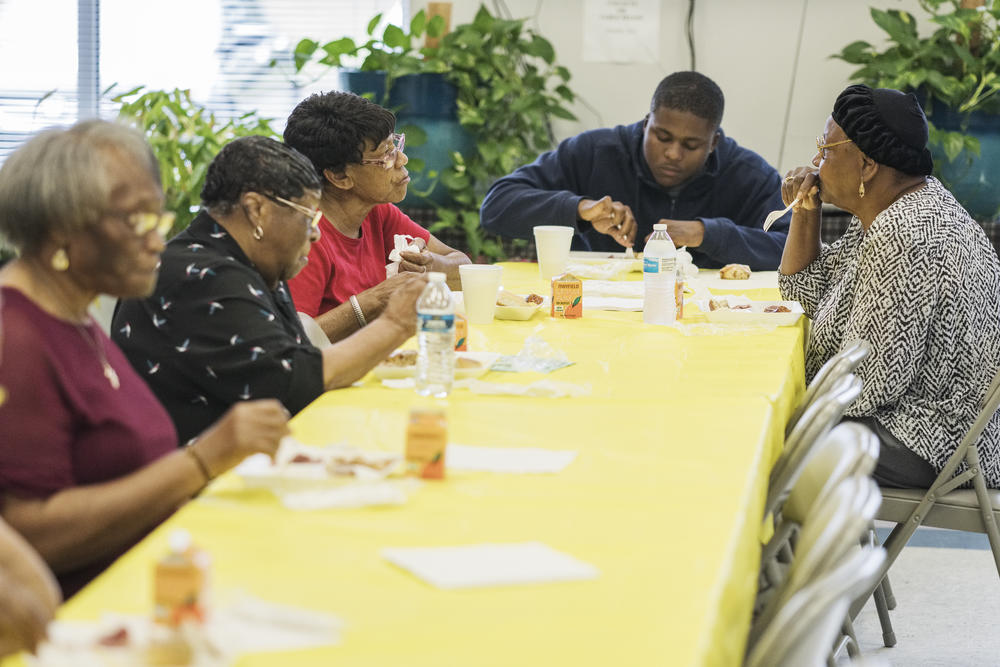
column 821, row 147
column 314, row 215
column 388, row 161
column 144, row 223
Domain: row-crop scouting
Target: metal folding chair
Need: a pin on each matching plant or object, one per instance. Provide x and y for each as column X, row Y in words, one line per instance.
column 943, row 505
column 834, row 526
column 807, row 625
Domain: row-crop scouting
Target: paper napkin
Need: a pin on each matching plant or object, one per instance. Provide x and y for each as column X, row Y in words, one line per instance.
column 507, row 459
column 477, row 565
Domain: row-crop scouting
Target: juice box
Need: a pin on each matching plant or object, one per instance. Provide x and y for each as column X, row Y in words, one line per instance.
column 679, row 297
column 426, row 439
column 461, row 333
column 180, row 583
column 567, row 297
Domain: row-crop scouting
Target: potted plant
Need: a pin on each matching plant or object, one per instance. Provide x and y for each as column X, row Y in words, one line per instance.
column 506, row 87
column 955, row 71
column 185, row 137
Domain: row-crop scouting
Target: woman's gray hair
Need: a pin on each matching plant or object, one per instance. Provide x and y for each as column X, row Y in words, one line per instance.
column 59, row 180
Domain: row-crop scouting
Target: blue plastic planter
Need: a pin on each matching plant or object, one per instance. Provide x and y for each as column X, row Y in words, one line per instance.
column 428, row 101
column 975, row 184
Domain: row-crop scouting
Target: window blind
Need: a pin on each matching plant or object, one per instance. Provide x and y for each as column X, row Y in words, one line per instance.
column 219, row 49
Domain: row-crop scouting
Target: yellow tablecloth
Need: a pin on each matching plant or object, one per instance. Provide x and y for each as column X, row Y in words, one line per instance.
column 664, row 498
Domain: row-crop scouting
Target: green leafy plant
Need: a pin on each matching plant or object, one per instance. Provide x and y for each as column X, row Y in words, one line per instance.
column 509, row 90
column 185, row 137
column 957, row 65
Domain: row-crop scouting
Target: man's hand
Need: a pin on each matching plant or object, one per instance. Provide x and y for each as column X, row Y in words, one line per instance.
column 689, row 233
column 609, row 217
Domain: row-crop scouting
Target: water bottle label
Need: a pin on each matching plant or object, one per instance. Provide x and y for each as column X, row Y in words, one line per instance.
column 659, row 264
column 435, row 323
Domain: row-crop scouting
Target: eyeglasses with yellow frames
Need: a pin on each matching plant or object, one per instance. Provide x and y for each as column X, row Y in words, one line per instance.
column 143, row 223
column 314, row 215
column 821, row 146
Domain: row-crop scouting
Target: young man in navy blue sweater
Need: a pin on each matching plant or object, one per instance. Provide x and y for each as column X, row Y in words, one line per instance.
column 675, row 166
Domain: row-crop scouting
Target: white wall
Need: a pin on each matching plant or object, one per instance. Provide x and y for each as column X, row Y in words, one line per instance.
column 747, row 46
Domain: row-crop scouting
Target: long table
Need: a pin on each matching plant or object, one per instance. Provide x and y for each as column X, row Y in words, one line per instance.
column 675, row 440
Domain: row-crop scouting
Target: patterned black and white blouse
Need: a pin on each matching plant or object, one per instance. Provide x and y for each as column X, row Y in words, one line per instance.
column 922, row 285
column 213, row 333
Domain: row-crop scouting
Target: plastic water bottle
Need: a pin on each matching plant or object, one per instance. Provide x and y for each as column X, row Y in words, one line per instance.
column 435, row 338
column 659, row 278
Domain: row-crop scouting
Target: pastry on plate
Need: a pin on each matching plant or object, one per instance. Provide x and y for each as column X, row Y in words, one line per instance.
column 735, row 272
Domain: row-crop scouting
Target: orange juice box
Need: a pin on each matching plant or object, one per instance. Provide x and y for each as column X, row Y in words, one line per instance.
column 461, row 333
column 426, row 439
column 679, row 297
column 567, row 297
column 180, row 583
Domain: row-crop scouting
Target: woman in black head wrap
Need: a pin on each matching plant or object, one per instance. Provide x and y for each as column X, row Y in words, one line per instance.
column 913, row 275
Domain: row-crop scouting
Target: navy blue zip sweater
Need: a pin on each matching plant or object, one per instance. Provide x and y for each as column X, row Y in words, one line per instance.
column 732, row 195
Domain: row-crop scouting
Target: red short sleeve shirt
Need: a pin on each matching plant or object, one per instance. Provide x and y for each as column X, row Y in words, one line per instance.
column 340, row 266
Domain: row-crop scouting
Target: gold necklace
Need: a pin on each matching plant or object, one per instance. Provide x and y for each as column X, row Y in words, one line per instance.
column 94, row 343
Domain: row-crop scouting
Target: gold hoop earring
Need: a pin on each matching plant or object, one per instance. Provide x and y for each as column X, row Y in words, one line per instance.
column 60, row 260
column 258, row 232
column 861, row 190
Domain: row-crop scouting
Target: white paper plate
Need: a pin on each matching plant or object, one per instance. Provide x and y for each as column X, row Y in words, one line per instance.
column 755, row 315
column 485, row 360
column 521, row 313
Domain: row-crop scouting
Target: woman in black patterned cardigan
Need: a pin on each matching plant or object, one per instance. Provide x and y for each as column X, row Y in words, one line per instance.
column 914, row 275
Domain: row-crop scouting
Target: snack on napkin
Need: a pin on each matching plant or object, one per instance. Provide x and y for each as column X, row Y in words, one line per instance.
column 506, row 298
column 402, row 243
column 735, row 272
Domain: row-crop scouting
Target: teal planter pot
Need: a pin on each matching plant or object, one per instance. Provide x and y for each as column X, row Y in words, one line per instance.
column 429, row 102
column 974, row 180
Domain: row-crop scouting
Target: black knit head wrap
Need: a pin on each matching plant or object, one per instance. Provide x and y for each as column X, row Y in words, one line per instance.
column 887, row 125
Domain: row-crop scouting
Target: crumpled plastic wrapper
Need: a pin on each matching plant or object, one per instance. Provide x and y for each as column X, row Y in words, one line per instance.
column 401, row 243
column 246, row 624
column 685, row 265
column 536, row 355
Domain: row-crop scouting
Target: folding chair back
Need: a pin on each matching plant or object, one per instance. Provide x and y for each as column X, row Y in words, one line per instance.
column 807, row 625
column 835, row 523
column 816, row 422
column 844, row 362
column 849, row 449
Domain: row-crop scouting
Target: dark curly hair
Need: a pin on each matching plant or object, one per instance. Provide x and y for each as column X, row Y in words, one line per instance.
column 332, row 129
column 692, row 92
column 256, row 164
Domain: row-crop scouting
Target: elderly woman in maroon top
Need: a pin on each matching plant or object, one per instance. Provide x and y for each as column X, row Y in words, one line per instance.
column 89, row 462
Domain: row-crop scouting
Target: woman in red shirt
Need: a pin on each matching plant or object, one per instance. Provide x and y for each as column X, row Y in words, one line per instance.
column 352, row 144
